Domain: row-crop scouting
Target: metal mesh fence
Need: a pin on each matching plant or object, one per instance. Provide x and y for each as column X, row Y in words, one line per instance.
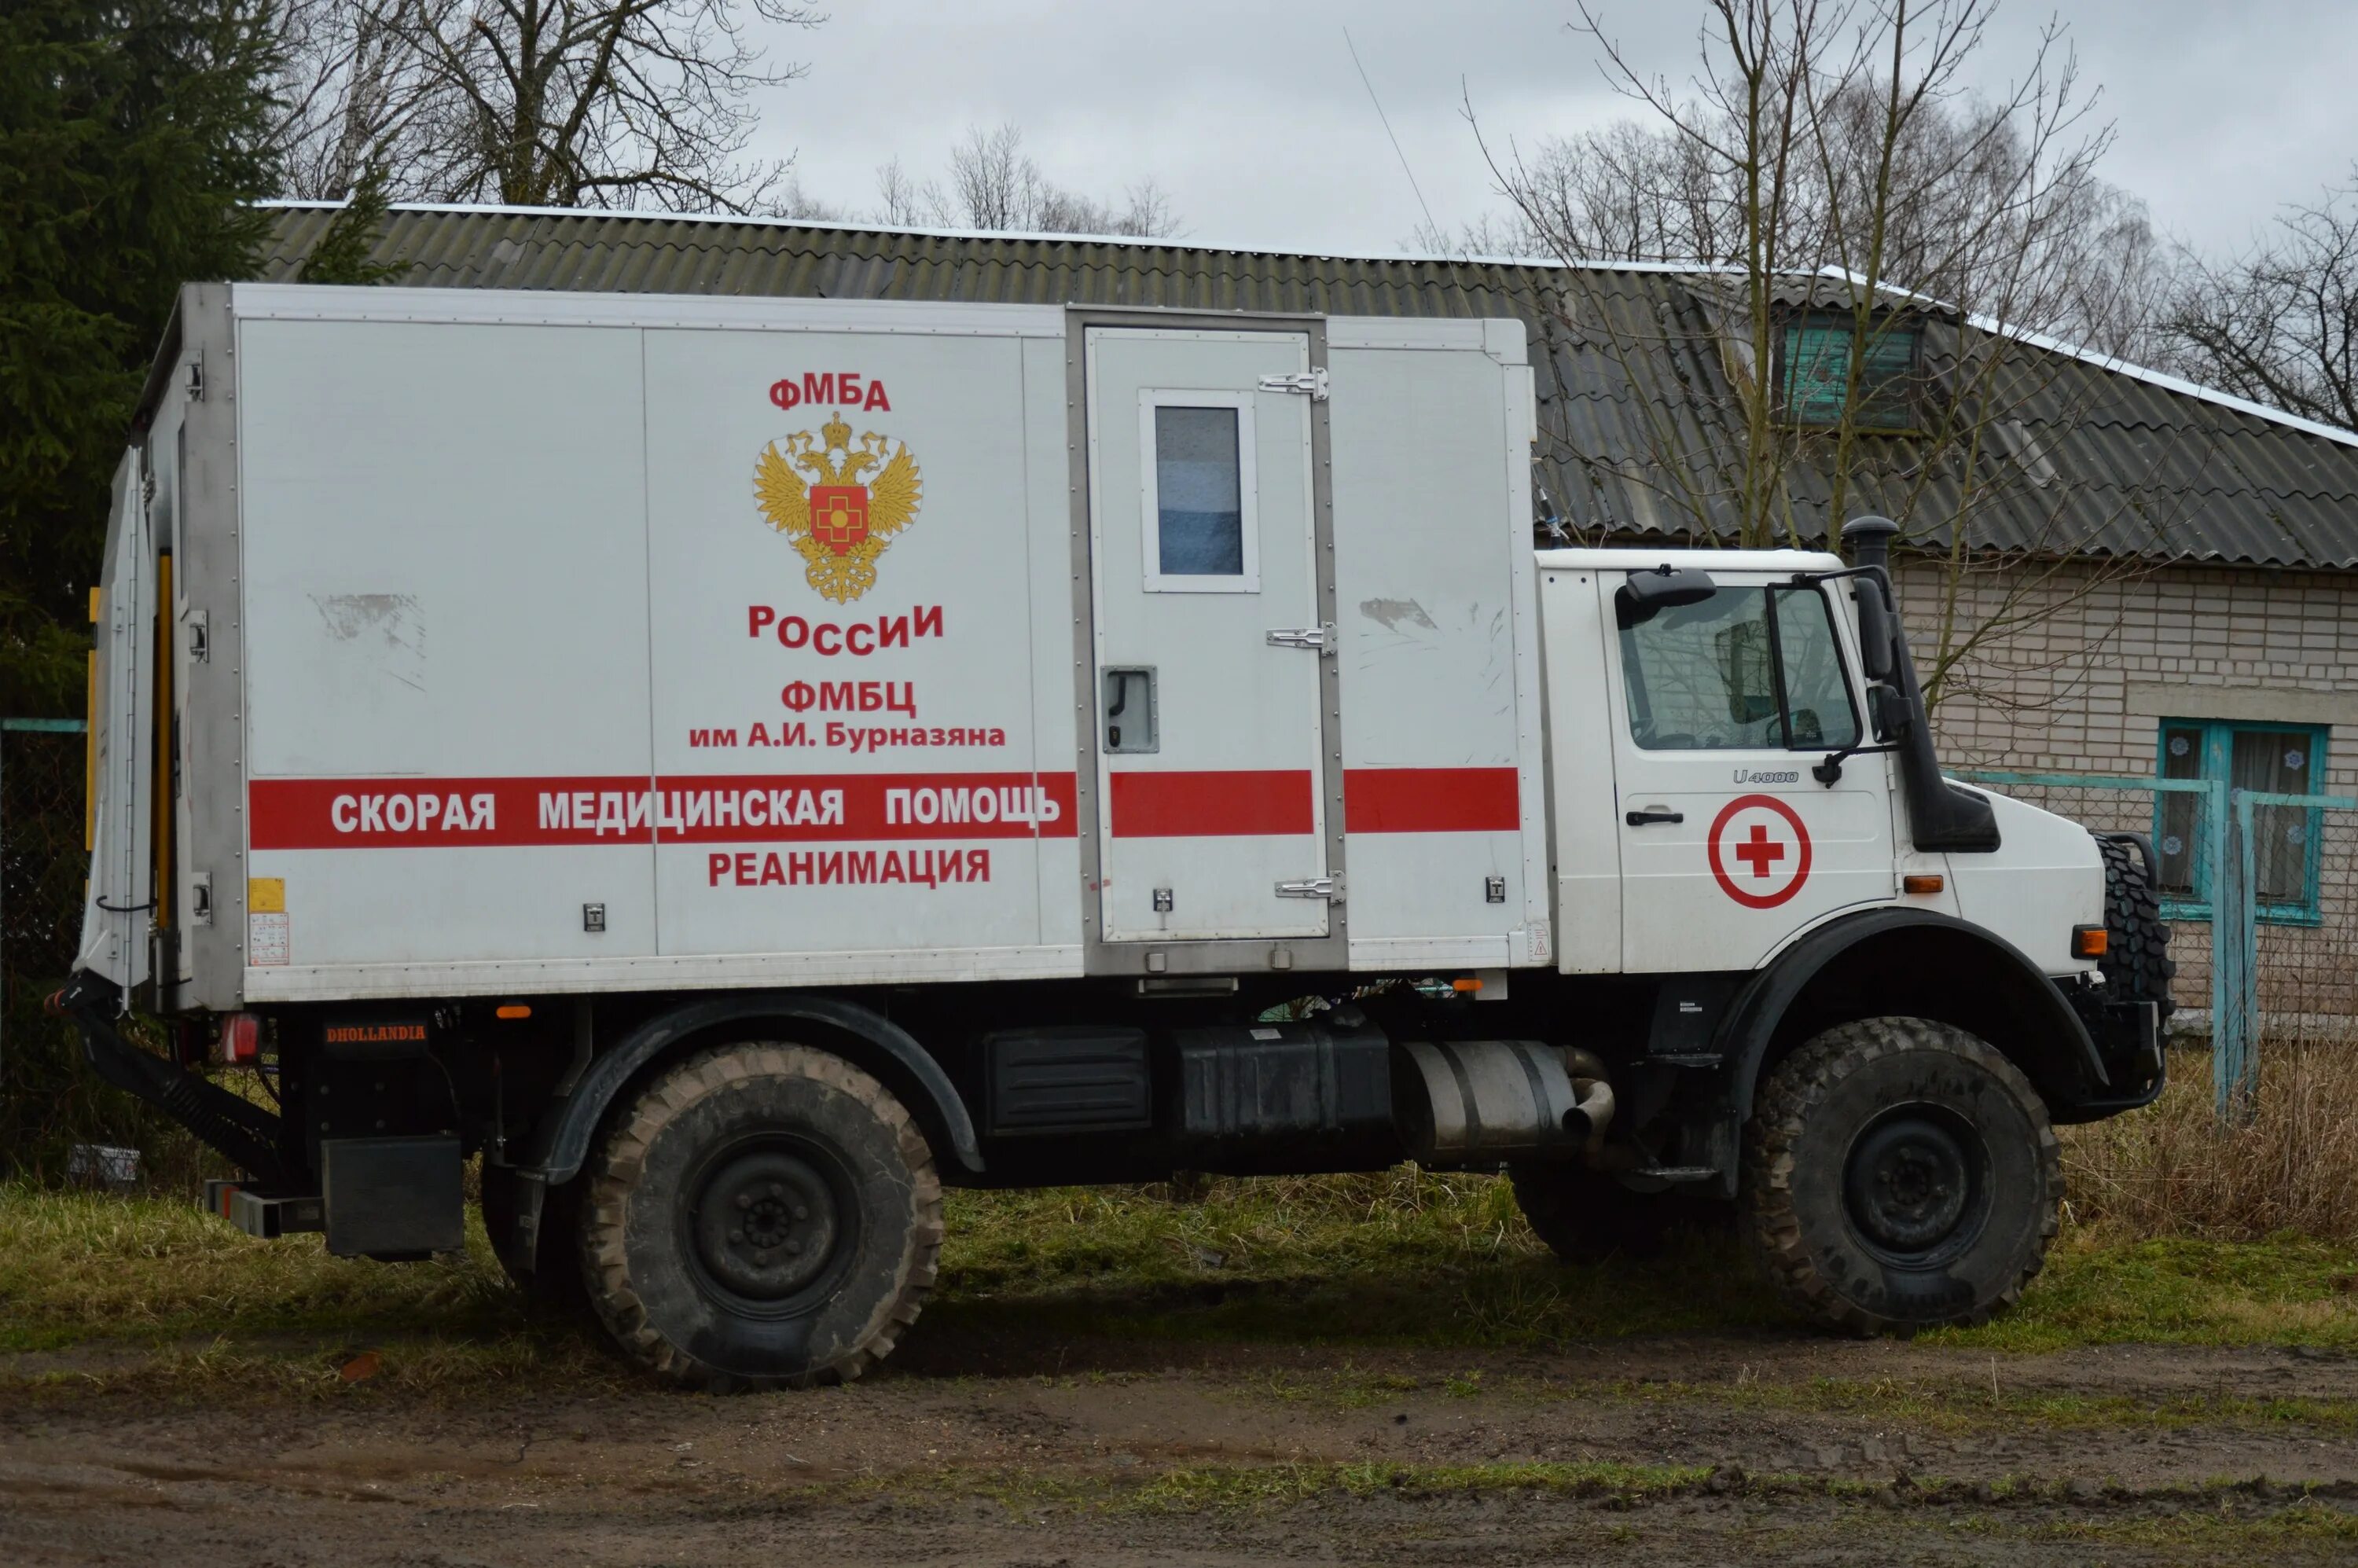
column 47, row 1103
column 2174, row 821
column 42, row 861
column 2260, row 890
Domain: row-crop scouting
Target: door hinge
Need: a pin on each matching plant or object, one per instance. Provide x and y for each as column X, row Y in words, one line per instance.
column 1321, row 637
column 196, row 380
column 1312, row 383
column 200, row 636
column 1329, row 888
column 200, row 898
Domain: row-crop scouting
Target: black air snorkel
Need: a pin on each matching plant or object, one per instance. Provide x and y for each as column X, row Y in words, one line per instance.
column 1941, row 815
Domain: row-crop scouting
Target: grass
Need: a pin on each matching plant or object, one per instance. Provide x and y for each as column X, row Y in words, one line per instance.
column 2217, row 1515
column 2169, row 1171
column 1968, row 1402
column 2099, row 1290
column 147, row 1293
column 1419, row 1260
column 1401, row 1258
column 2167, row 1241
column 202, row 1311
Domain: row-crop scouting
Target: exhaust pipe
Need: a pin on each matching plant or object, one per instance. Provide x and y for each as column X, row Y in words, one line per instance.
column 1585, row 1122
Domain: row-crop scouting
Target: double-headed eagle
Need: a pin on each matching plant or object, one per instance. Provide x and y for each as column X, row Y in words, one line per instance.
column 819, row 495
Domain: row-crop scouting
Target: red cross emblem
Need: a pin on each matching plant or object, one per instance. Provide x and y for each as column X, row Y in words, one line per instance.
column 1769, row 849
column 1758, row 853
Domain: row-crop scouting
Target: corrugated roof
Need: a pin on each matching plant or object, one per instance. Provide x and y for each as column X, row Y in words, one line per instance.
column 1642, row 430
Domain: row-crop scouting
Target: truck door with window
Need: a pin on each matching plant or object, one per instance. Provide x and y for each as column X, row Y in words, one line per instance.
column 1215, row 801
column 1721, row 710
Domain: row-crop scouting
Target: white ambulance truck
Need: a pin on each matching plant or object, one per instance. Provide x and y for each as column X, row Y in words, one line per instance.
column 737, row 766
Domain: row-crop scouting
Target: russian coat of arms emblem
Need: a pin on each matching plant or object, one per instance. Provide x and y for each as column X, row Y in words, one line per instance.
column 838, row 501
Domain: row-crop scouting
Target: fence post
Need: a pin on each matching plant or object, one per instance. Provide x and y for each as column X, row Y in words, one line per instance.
column 2247, row 938
column 2235, row 963
column 2229, row 1026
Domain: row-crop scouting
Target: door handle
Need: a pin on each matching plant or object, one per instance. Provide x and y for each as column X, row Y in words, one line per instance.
column 1641, row 818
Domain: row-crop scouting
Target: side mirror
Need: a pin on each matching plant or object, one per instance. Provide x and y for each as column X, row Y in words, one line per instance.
column 1648, row 594
column 1887, row 715
column 1876, row 628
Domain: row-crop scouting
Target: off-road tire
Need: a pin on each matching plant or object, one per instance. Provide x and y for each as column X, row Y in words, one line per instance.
column 1585, row 1216
column 1833, row 1195
column 763, row 1216
column 2136, row 965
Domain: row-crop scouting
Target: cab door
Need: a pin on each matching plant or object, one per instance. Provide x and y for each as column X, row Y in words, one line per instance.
column 1214, row 800
column 1722, row 709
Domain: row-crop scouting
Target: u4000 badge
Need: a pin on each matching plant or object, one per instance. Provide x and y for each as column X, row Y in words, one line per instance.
column 841, row 503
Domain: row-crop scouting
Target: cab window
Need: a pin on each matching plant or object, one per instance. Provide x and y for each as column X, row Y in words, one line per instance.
column 1746, row 669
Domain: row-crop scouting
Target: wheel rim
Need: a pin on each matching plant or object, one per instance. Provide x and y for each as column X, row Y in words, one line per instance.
column 1915, row 1186
column 771, row 1223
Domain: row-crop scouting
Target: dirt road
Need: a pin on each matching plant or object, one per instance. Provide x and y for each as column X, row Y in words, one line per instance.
column 1709, row 1450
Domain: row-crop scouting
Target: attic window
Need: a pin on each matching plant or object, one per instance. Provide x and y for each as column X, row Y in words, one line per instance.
column 1813, row 371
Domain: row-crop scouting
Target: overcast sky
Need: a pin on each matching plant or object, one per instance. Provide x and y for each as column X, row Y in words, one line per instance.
column 1250, row 113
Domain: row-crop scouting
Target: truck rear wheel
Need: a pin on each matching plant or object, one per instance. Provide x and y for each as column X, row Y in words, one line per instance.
column 764, row 1214
column 1899, row 1174
column 1586, row 1215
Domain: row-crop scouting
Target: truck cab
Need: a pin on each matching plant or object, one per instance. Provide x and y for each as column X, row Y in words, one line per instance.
column 1754, row 785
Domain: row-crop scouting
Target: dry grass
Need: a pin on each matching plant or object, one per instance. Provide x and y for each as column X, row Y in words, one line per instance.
column 2169, row 1171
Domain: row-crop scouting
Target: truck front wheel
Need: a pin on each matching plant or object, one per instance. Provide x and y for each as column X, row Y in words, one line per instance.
column 761, row 1215
column 1899, row 1174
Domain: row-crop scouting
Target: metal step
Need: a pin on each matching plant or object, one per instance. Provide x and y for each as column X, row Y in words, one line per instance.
column 267, row 1218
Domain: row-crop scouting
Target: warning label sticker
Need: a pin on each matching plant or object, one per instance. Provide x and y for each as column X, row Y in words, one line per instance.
column 269, row 938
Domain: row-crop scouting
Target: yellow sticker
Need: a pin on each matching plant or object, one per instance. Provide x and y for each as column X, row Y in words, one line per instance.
column 266, row 895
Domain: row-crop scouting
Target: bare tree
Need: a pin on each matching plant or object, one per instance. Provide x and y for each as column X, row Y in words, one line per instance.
column 902, row 202
column 1842, row 194
column 535, row 103
column 1975, row 200
column 2280, row 325
column 995, row 184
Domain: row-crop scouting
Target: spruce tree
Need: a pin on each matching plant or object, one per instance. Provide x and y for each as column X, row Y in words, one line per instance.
column 132, row 132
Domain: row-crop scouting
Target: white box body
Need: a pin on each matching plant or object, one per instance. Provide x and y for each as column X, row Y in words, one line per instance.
column 497, row 673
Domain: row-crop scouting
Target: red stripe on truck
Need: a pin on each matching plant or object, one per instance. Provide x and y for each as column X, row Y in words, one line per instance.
column 1212, row 805
column 383, row 813
column 386, row 814
column 1432, row 800
column 1171, row 804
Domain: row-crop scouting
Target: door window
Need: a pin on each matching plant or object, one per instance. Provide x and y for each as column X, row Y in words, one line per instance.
column 1746, row 669
column 1201, row 535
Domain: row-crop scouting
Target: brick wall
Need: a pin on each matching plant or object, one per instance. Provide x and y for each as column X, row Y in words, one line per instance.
column 2097, row 656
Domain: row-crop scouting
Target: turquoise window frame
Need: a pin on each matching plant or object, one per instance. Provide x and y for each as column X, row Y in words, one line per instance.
column 2218, row 751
